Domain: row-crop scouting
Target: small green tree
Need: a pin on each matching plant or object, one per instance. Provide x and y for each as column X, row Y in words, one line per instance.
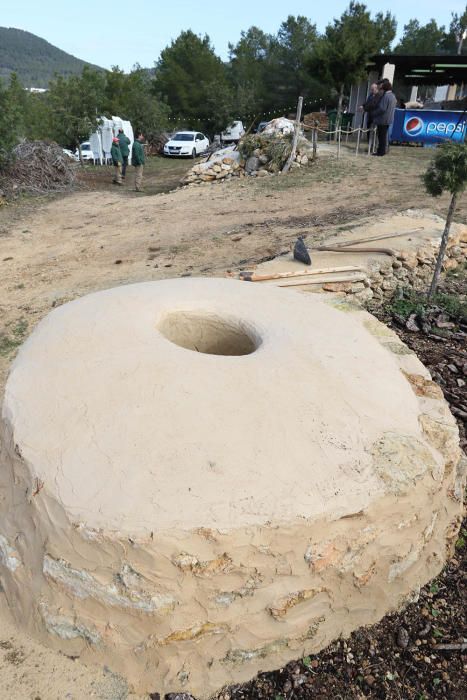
column 76, row 104
column 447, row 172
column 148, row 114
column 186, row 73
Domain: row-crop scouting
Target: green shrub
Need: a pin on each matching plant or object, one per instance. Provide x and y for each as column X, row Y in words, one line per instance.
column 413, row 302
column 276, row 148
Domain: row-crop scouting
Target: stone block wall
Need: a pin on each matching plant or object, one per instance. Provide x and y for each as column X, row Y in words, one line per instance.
column 405, row 269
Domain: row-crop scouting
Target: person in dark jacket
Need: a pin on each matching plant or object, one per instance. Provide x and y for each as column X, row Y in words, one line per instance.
column 383, row 116
column 370, row 105
column 137, row 159
column 116, row 156
column 124, row 143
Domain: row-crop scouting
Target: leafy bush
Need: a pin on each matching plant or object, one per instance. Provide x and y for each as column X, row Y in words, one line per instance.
column 413, row 302
column 276, row 148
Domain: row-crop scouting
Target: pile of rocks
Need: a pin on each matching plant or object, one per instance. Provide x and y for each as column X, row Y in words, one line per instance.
column 257, row 155
column 260, row 163
column 214, row 170
column 226, row 167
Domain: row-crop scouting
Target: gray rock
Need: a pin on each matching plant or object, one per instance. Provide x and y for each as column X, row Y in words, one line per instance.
column 402, row 638
column 411, row 323
column 300, row 251
column 252, row 164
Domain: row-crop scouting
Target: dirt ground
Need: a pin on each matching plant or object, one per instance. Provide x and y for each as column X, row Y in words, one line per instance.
column 56, row 249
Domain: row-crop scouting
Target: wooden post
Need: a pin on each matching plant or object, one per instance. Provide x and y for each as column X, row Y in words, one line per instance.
column 314, row 138
column 370, row 142
column 290, row 159
column 359, row 133
column 339, row 133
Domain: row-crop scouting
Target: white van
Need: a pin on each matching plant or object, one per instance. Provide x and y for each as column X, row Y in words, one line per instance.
column 233, row 132
column 86, row 151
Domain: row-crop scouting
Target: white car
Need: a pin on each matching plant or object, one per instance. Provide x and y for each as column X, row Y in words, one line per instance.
column 86, row 151
column 69, row 153
column 186, row 143
column 233, row 132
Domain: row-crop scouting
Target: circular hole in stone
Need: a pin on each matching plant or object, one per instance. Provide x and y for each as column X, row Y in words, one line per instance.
column 208, row 333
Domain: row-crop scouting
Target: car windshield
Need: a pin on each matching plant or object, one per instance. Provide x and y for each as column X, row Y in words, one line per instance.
column 85, row 147
column 183, row 137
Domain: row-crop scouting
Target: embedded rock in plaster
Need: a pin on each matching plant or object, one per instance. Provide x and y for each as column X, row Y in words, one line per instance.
column 203, row 478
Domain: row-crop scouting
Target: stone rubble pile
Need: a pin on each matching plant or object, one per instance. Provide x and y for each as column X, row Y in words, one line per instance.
column 221, row 166
column 259, row 155
column 405, row 269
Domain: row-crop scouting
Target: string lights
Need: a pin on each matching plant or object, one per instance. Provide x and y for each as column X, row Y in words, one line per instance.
column 279, row 111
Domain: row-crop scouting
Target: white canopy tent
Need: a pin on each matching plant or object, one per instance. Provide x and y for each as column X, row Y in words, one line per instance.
column 101, row 139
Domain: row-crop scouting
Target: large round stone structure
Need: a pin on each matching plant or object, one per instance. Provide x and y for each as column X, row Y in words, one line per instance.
column 204, row 478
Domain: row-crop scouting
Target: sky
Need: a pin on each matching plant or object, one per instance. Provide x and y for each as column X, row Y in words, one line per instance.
column 123, row 34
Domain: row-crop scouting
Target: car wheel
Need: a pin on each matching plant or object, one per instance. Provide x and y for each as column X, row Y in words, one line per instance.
column 193, row 153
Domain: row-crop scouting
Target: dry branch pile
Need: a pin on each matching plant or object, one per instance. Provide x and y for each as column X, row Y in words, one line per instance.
column 38, row 167
column 156, row 144
column 319, row 119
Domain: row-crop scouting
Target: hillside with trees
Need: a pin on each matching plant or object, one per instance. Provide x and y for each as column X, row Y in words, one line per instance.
column 191, row 87
column 34, row 60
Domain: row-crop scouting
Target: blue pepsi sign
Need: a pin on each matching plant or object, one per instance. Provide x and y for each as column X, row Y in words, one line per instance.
column 428, row 126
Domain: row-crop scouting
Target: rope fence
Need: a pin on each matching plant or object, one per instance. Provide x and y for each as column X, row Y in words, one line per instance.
column 335, row 134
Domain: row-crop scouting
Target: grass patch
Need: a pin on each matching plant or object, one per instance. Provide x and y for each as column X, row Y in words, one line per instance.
column 414, row 302
column 322, row 171
column 9, row 342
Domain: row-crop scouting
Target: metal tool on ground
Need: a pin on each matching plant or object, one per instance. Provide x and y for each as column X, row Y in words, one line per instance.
column 340, row 249
column 300, row 251
column 251, row 277
column 380, row 237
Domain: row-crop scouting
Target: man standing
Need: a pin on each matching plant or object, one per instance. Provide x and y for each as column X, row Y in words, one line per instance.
column 116, row 156
column 124, row 142
column 137, row 159
column 370, row 105
column 383, row 116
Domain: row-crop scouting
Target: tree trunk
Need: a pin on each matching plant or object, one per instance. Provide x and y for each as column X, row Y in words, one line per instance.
column 443, row 246
column 461, row 41
column 339, row 104
column 80, row 154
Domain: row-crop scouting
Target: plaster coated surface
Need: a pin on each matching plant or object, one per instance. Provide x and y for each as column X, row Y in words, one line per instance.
column 201, row 478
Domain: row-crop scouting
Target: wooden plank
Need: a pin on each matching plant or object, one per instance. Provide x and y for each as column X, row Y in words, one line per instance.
column 318, row 283
column 251, row 277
